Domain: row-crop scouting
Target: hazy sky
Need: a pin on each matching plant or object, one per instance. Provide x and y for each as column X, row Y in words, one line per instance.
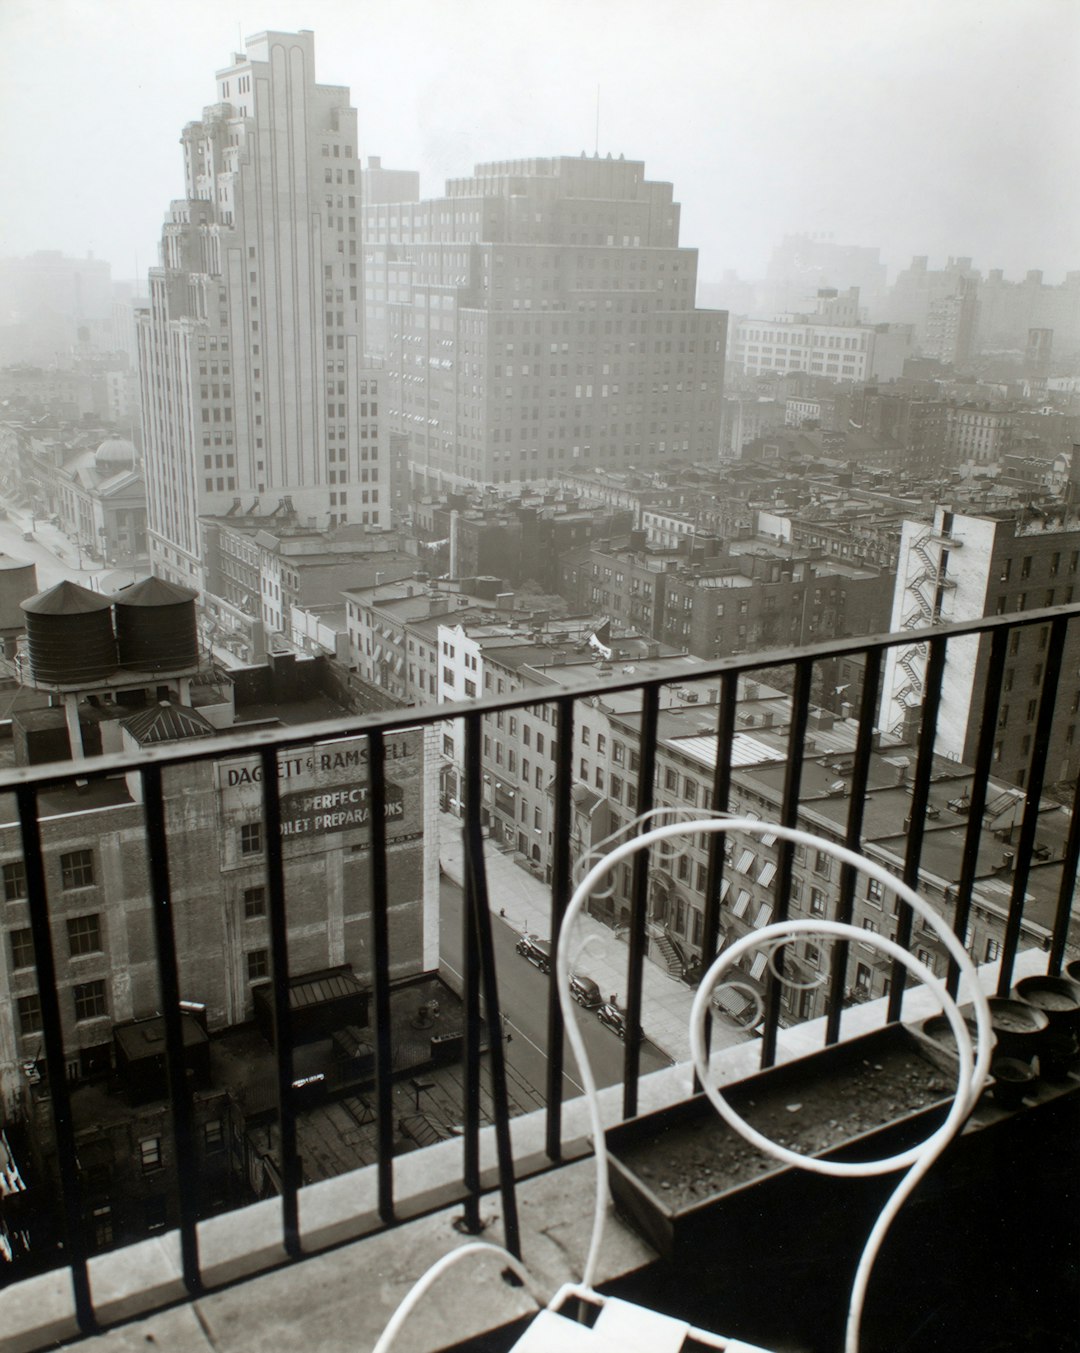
column 922, row 126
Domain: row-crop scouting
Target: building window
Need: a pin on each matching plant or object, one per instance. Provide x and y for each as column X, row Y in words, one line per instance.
column 250, row 838
column 29, row 1010
column 873, row 892
column 822, row 863
column 254, row 903
column 77, row 869
column 89, row 1000
column 103, row 1228
column 150, row 1153
column 14, row 880
column 214, row 1136
column 84, row 935
column 862, row 977
column 817, row 902
column 156, row 1213
column 258, row 965
column 22, row 948
column 993, row 950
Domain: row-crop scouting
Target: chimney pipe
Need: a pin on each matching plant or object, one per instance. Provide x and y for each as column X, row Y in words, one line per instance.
column 455, row 516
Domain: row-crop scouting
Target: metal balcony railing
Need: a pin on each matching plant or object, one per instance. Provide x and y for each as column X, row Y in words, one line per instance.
column 481, row 1006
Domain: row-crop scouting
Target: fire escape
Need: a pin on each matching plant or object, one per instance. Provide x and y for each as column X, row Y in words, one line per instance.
column 932, row 551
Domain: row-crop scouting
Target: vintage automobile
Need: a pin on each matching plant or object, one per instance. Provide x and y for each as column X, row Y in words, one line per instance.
column 585, row 991
column 536, row 950
column 613, row 1017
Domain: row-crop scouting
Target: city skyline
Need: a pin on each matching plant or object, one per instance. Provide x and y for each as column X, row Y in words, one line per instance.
column 768, row 121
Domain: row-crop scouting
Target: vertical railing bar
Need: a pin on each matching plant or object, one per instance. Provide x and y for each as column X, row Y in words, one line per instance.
column 650, row 705
column 1067, row 890
column 279, row 971
column 721, row 797
column 169, row 989
column 53, row 1033
column 496, row 1047
column 920, row 799
column 860, row 779
column 470, row 977
column 561, row 866
column 789, row 817
column 984, row 752
column 380, row 968
column 1033, row 789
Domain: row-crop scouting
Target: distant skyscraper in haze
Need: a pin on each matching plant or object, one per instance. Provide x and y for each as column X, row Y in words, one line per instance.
column 251, row 352
column 801, row 265
column 539, row 317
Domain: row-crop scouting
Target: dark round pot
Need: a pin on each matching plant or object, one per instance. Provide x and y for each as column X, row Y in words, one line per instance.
column 1013, row 1079
column 938, row 1029
column 1058, row 1054
column 1072, row 970
column 1018, row 1027
column 1056, row 997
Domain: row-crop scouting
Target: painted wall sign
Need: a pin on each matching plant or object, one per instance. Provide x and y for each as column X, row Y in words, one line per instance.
column 315, row 811
column 324, row 788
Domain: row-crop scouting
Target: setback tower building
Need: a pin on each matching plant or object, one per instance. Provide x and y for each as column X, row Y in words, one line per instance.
column 254, row 388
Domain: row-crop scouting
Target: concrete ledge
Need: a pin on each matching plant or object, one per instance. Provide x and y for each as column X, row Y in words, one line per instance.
column 38, row 1312
column 127, row 1282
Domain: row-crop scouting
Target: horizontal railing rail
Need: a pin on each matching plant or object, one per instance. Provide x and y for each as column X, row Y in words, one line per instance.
column 480, row 996
column 322, row 730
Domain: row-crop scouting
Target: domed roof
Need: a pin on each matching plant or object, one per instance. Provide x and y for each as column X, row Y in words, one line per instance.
column 114, row 453
column 154, row 591
column 166, row 722
column 66, row 598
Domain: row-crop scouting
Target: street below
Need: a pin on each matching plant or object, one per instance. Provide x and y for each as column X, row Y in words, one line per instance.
column 55, row 557
column 523, row 999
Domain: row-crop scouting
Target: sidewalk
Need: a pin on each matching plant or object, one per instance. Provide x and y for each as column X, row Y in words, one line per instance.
column 525, row 904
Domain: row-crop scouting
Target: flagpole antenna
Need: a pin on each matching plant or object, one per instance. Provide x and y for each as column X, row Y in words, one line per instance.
column 596, row 143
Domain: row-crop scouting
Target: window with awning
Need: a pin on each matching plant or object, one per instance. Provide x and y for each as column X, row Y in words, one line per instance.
column 734, row 1000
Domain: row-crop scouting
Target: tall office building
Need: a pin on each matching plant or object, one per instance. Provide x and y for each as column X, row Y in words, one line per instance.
column 255, row 393
column 539, row 317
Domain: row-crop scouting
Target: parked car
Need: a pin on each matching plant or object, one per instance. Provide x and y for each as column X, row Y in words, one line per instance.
column 613, row 1017
column 28, row 535
column 537, row 951
column 585, row 991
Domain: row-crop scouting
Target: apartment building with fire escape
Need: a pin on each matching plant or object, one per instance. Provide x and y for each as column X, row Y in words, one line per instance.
column 960, row 567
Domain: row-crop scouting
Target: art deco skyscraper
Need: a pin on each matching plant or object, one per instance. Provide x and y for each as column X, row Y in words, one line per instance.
column 540, row 317
column 251, row 353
